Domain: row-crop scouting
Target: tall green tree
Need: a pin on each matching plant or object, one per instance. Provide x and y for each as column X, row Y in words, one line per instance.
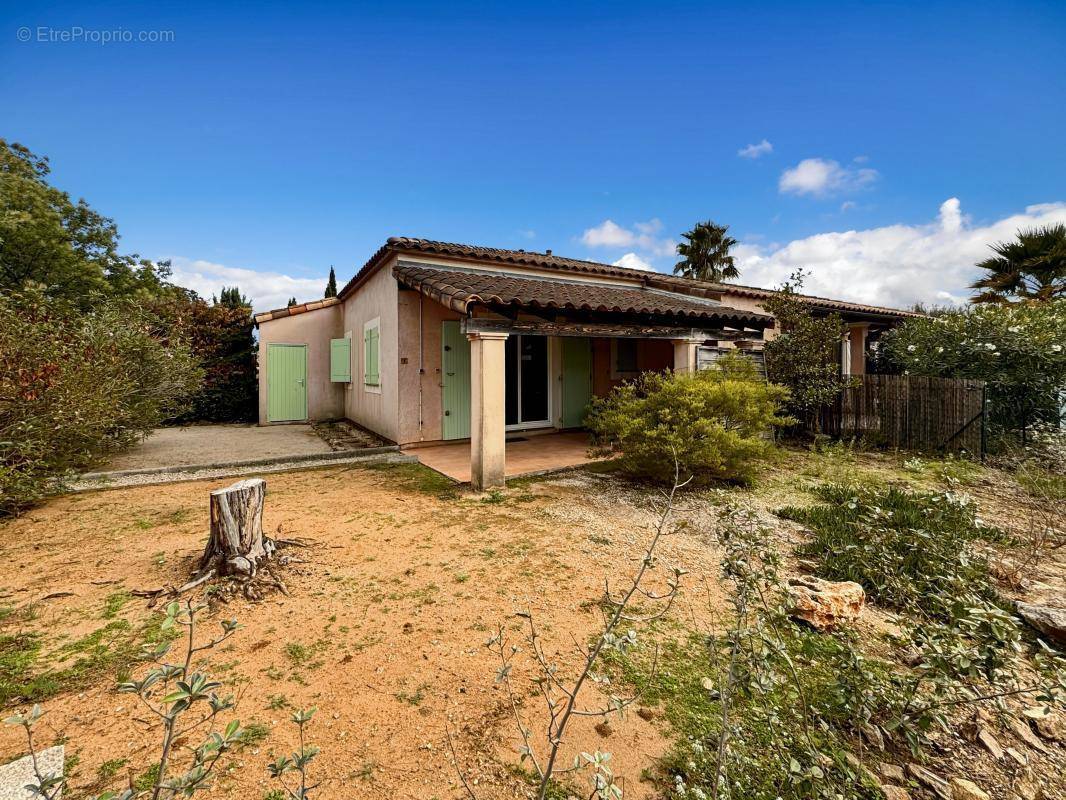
column 804, row 357
column 705, row 254
column 1032, row 268
column 231, row 297
column 291, row 303
column 62, row 247
column 331, row 286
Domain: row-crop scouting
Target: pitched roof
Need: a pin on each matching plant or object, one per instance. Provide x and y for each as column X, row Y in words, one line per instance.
column 460, row 289
column 548, row 261
column 303, row 308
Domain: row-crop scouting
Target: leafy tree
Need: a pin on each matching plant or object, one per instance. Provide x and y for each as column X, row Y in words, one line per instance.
column 67, row 248
column 805, row 355
column 331, row 286
column 1018, row 349
column 231, row 297
column 291, row 303
column 712, row 422
column 221, row 337
column 705, row 254
column 76, row 386
column 1031, row 268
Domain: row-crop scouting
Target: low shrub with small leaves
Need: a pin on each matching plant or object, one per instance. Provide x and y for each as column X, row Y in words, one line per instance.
column 714, row 422
column 909, row 550
column 769, row 708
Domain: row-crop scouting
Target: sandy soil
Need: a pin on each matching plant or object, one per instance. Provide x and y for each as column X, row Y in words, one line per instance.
column 399, row 591
column 391, row 605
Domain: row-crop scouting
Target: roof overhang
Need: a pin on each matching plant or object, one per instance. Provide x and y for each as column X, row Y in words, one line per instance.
column 464, row 290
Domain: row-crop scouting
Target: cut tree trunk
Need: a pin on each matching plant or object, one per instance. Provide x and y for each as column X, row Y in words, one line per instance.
column 237, row 544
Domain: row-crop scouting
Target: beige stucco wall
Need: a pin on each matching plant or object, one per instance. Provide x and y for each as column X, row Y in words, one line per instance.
column 314, row 329
column 375, row 408
column 420, row 345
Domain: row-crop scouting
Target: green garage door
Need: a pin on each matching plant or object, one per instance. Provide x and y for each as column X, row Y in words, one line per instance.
column 286, row 382
column 577, row 380
column 455, row 381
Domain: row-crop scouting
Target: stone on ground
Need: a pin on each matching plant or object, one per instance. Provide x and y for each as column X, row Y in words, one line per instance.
column 1050, row 725
column 823, row 604
column 15, row 776
column 891, row 773
column 895, row 792
column 1049, row 620
column 962, row 789
column 990, row 743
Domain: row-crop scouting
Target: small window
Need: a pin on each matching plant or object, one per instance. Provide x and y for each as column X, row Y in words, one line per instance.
column 371, row 353
column 340, row 360
column 624, row 352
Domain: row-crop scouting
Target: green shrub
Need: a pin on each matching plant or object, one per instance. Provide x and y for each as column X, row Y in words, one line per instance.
column 909, row 550
column 76, row 385
column 714, row 420
column 1019, row 350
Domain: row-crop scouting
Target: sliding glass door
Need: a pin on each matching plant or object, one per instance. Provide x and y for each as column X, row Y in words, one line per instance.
column 528, row 399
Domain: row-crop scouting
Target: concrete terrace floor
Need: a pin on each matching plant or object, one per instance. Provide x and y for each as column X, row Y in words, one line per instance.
column 525, row 455
column 216, row 444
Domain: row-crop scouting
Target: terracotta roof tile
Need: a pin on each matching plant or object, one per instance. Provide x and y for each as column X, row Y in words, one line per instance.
column 461, row 289
column 549, row 261
column 291, row 311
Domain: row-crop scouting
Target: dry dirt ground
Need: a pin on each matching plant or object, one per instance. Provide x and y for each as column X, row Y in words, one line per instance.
column 383, row 627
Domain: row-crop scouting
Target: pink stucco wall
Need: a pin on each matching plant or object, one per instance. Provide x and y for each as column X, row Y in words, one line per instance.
column 325, row 400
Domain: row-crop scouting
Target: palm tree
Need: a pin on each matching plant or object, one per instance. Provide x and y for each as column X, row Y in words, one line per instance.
column 706, row 254
column 1032, row 268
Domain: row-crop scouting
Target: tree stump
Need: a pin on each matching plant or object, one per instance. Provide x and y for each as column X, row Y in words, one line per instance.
column 237, row 544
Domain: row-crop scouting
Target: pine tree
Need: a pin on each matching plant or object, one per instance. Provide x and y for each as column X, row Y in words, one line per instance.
column 231, row 297
column 292, row 302
column 331, row 287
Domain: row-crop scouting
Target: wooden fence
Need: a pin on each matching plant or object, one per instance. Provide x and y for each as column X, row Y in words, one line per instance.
column 911, row 413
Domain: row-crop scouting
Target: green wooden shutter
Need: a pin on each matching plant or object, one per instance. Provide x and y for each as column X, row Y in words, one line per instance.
column 455, row 381
column 340, row 360
column 371, row 350
column 577, row 380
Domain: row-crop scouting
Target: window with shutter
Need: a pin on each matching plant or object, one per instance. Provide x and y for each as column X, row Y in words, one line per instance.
column 340, row 360
column 371, row 354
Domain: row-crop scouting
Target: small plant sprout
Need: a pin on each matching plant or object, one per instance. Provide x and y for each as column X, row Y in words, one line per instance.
column 175, row 692
column 48, row 787
column 298, row 761
column 562, row 696
column 182, row 699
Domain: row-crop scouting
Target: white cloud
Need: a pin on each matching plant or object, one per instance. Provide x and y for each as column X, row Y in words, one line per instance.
column 847, row 205
column 528, row 233
column 642, row 236
column 895, row 265
column 266, row 290
column 821, row 177
column 756, row 150
column 633, row 261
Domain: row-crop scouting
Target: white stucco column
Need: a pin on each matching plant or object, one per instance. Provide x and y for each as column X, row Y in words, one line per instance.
column 685, row 354
column 487, row 415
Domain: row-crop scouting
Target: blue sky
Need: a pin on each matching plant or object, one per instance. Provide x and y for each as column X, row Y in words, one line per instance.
column 266, row 142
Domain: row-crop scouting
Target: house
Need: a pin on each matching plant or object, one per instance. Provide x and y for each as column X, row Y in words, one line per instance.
column 433, row 342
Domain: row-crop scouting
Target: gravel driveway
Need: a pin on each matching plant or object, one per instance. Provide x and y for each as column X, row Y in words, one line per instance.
column 215, row 444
